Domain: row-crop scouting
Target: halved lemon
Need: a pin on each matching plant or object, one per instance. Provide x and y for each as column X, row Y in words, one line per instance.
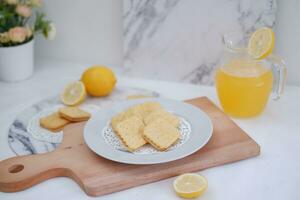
column 73, row 94
column 261, row 43
column 190, row 185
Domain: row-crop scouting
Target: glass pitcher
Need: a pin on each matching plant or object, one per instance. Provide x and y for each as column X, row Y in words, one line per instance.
column 244, row 84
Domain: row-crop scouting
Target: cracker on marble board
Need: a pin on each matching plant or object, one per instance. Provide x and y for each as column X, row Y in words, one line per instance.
column 74, row 114
column 53, row 122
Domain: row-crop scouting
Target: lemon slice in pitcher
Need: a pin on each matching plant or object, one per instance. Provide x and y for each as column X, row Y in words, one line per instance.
column 73, row 94
column 190, row 185
column 261, row 43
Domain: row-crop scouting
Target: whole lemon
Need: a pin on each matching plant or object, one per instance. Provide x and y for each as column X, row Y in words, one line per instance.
column 98, row 80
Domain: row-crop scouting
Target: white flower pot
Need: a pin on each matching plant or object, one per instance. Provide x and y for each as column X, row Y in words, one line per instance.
column 16, row 63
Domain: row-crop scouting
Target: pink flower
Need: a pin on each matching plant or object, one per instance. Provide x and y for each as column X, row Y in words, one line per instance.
column 28, row 32
column 17, row 34
column 36, row 3
column 23, row 10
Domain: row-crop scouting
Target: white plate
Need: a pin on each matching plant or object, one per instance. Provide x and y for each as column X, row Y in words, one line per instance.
column 199, row 132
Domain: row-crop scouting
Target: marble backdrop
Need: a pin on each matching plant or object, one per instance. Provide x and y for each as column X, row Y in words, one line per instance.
column 180, row 40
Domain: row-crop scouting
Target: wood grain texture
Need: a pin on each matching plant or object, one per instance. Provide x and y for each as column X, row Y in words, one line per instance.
column 99, row 176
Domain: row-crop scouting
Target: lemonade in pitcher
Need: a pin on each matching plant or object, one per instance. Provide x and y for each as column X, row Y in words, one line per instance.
column 244, row 83
column 243, row 91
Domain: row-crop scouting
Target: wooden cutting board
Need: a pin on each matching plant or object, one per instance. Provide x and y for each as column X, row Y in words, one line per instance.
column 99, row 176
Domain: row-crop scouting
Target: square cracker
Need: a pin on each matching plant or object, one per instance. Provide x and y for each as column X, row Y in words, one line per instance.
column 160, row 134
column 117, row 119
column 130, row 112
column 130, row 133
column 148, row 107
column 53, row 122
column 74, row 114
column 140, row 111
column 133, row 111
column 163, row 115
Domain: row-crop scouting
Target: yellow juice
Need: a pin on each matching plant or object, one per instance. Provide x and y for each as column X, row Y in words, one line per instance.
column 243, row 87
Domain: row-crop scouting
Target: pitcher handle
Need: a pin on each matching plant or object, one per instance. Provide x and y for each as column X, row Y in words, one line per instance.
column 279, row 72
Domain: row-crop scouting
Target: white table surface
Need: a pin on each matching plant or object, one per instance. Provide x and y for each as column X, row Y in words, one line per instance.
column 275, row 174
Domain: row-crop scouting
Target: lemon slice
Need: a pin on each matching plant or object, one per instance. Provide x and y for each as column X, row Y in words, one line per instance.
column 190, row 185
column 261, row 43
column 73, row 94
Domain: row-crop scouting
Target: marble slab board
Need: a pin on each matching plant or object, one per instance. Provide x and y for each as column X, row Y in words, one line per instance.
column 180, row 40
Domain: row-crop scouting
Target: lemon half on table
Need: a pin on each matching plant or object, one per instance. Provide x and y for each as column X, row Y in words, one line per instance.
column 73, row 94
column 261, row 43
column 190, row 185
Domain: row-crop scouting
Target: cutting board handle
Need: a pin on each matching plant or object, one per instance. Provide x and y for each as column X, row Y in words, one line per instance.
column 21, row 172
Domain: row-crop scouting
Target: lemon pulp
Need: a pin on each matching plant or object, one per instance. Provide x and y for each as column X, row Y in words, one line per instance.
column 190, row 185
column 261, row 43
column 73, row 94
